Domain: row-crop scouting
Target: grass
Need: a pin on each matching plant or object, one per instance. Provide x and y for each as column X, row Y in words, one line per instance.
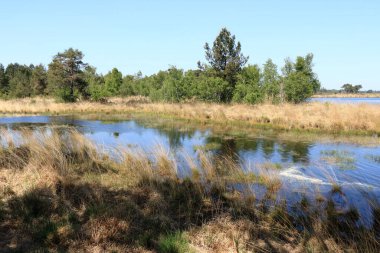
column 375, row 158
column 342, row 159
column 270, row 166
column 242, row 131
column 173, row 243
column 60, row 193
column 333, row 118
column 336, row 189
column 208, row 146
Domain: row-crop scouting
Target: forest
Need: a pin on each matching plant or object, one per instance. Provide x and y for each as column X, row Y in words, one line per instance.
column 225, row 77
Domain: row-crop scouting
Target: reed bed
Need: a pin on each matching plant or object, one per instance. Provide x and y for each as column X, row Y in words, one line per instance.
column 336, row 118
column 59, row 192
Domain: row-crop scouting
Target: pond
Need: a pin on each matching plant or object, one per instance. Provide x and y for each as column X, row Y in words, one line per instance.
column 304, row 165
column 347, row 100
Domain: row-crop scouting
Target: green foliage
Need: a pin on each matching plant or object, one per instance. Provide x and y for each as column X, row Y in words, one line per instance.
column 304, row 65
column 349, row 88
column 226, row 59
column 210, row 89
column 96, row 86
column 113, row 81
column 65, row 75
column 298, row 87
column 223, row 79
column 299, row 79
column 19, row 80
column 171, row 86
column 39, row 80
column 126, row 88
column 142, row 85
column 248, row 88
column 173, row 243
column 288, row 67
column 3, row 82
column 66, row 94
column 271, row 81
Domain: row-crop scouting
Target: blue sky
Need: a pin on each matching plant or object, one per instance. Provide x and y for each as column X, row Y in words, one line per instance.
column 151, row 35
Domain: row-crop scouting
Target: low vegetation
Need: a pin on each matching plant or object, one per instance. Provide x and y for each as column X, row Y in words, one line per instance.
column 344, row 160
column 58, row 192
column 333, row 118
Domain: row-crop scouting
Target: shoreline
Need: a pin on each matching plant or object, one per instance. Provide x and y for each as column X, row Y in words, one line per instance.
column 345, row 119
column 349, row 95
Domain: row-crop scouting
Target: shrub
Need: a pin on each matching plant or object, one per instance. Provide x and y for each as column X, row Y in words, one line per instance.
column 211, row 89
column 298, row 88
column 248, row 88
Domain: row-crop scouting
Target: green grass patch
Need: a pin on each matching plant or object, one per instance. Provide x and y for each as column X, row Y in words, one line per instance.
column 208, row 146
column 173, row 243
column 271, row 166
column 342, row 159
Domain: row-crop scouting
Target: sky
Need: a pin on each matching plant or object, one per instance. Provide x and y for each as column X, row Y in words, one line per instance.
column 343, row 35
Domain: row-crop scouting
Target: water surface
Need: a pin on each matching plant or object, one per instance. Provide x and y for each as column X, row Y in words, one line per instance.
column 347, row 100
column 304, row 166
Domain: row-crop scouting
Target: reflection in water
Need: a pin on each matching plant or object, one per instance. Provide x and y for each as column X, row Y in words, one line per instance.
column 176, row 137
column 295, row 151
column 268, row 147
column 247, row 144
column 302, row 167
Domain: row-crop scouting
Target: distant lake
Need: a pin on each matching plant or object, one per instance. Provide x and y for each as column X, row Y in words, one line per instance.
column 347, row 100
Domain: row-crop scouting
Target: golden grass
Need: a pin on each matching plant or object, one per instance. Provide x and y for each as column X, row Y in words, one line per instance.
column 59, row 192
column 350, row 118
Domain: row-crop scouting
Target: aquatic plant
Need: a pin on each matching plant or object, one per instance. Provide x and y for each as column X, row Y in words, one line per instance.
column 342, row 159
column 77, row 198
column 208, row 146
column 375, row 158
column 270, row 166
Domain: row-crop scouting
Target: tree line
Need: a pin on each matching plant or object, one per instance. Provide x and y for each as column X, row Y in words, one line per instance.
column 350, row 88
column 225, row 77
column 347, row 88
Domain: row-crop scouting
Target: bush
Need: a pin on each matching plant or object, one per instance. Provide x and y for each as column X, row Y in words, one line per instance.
column 248, row 88
column 126, row 88
column 210, row 89
column 64, row 94
column 97, row 92
column 298, row 88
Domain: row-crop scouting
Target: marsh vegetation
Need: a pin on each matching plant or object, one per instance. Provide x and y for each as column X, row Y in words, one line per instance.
column 227, row 157
column 322, row 117
column 69, row 189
